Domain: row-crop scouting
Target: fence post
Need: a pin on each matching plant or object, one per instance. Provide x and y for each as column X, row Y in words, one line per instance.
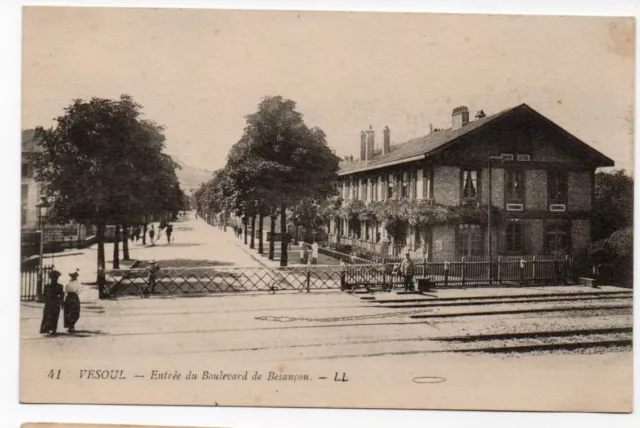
column 384, row 274
column 522, row 271
column 534, row 269
column 446, row 273
column 555, row 270
column 424, row 264
column 499, row 270
column 308, row 279
column 463, row 271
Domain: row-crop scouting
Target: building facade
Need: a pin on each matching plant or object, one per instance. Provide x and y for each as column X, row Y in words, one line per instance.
column 30, row 188
column 31, row 191
column 538, row 179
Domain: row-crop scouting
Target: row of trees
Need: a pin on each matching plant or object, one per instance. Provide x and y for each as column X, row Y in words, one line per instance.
column 279, row 168
column 103, row 164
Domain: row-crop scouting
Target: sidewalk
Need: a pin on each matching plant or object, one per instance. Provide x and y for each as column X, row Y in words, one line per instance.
column 293, row 253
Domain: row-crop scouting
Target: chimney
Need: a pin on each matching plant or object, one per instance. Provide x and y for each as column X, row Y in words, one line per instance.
column 363, row 146
column 370, row 143
column 430, row 128
column 460, row 117
column 386, row 145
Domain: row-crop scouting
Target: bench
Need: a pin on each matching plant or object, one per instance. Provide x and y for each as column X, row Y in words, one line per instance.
column 588, row 282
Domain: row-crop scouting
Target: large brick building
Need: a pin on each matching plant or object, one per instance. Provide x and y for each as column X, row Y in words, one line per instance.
column 541, row 187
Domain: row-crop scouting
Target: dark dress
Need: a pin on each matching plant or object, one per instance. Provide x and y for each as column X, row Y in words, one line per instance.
column 53, row 295
column 71, row 310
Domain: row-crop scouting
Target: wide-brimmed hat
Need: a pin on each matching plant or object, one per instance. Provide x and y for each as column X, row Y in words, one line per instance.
column 54, row 274
column 74, row 275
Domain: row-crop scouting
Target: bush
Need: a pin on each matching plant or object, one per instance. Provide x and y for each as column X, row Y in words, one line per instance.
column 614, row 256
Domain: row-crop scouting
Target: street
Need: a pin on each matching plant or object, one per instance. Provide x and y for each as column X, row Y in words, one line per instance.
column 379, row 341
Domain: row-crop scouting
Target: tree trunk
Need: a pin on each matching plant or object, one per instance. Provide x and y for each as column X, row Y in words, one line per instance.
column 272, row 227
column 253, row 232
column 244, row 227
column 224, row 219
column 116, row 247
column 283, row 236
column 296, row 234
column 144, row 232
column 100, row 279
column 260, row 233
column 125, row 242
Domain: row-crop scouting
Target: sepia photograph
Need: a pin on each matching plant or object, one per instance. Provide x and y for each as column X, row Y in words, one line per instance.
column 374, row 210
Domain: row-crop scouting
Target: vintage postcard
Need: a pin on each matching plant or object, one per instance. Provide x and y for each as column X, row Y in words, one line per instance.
column 327, row 209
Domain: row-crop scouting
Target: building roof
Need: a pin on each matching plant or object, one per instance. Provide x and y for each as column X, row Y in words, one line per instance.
column 409, row 150
column 29, row 144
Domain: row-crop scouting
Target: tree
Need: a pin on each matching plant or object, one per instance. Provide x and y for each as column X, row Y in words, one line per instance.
column 102, row 164
column 613, row 204
column 283, row 161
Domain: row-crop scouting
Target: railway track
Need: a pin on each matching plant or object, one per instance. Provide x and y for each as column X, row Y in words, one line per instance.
column 583, row 340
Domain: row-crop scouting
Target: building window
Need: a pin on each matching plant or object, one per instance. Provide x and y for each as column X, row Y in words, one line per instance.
column 427, row 184
column 25, row 170
column 470, row 185
column 515, row 238
column 403, row 186
column 557, row 186
column 557, row 237
column 469, row 239
column 390, row 185
column 514, row 186
column 374, row 189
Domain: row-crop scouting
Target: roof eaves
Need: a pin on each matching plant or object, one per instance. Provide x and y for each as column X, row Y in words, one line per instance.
column 384, row 164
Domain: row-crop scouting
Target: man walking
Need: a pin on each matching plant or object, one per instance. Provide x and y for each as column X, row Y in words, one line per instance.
column 169, row 231
column 152, row 233
column 407, row 268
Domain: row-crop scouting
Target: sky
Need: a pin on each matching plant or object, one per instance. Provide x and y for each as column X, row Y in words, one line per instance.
column 200, row 72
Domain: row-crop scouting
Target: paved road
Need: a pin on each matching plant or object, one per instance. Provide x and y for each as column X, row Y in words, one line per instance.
column 194, row 239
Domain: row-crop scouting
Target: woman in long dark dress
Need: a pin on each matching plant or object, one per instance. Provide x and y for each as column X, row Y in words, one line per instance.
column 53, row 298
column 72, row 302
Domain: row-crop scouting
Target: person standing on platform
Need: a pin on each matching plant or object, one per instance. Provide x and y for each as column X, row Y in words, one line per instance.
column 407, row 269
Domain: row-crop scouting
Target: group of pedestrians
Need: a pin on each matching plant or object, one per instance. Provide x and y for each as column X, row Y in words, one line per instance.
column 57, row 297
column 136, row 233
column 307, row 257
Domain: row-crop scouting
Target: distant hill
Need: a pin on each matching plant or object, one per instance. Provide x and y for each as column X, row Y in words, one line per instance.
column 190, row 177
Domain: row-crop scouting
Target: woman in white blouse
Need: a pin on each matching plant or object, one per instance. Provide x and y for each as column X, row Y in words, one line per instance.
column 72, row 302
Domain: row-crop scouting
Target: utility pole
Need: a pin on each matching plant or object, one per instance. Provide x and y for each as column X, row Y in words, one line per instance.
column 490, row 205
